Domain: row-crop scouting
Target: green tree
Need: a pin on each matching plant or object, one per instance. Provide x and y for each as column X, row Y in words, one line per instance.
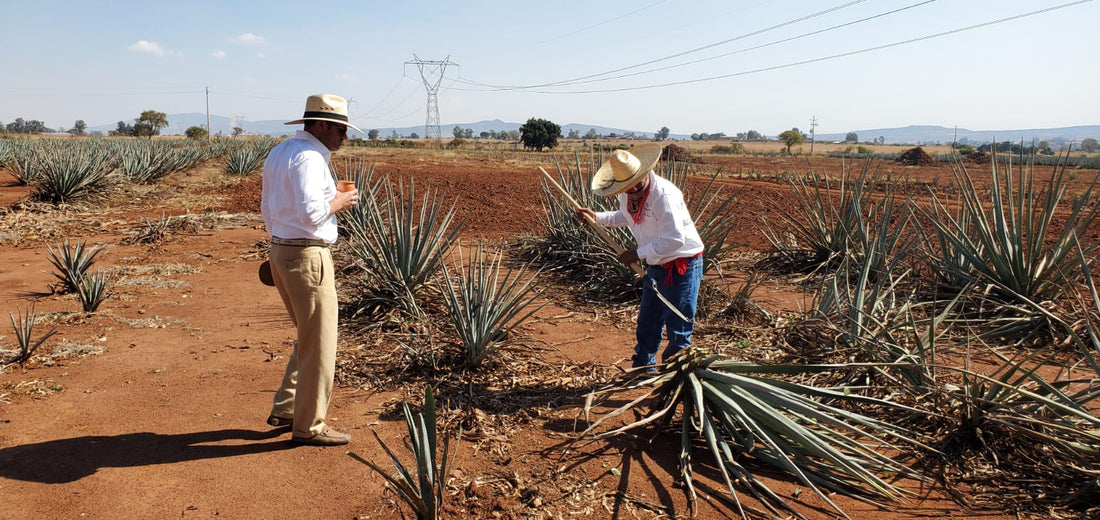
column 662, row 134
column 196, row 132
column 591, row 134
column 457, row 131
column 852, row 137
column 790, row 138
column 17, row 126
column 372, row 134
column 539, row 134
column 79, row 127
column 574, row 134
column 1089, row 145
column 150, row 123
column 123, row 128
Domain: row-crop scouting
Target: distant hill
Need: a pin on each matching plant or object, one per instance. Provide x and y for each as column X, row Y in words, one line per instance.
column 944, row 135
column 914, row 134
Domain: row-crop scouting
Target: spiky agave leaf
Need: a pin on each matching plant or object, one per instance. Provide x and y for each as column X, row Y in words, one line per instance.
column 794, row 427
column 72, row 261
column 400, row 246
column 484, row 308
column 422, row 491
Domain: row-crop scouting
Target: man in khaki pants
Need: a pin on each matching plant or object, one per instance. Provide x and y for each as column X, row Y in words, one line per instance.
column 299, row 205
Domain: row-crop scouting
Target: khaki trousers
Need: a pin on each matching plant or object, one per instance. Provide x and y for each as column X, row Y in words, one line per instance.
column 305, row 279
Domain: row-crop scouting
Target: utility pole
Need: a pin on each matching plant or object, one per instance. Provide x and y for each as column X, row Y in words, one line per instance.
column 813, row 125
column 207, row 113
column 428, row 72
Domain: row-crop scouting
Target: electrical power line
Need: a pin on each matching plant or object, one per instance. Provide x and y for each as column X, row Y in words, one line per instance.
column 682, row 53
column 819, row 59
column 739, row 51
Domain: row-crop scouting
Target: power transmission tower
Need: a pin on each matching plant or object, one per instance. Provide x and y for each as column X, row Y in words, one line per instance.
column 432, row 74
column 813, row 125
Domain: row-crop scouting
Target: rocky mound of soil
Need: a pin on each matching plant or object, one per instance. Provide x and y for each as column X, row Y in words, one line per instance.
column 916, row 157
column 676, row 153
column 978, row 158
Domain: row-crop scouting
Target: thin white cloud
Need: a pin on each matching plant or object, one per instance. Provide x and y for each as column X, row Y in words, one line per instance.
column 148, row 47
column 344, row 76
column 261, row 55
column 218, row 54
column 249, row 39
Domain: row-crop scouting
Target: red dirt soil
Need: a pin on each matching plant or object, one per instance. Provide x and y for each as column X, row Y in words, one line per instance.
column 157, row 408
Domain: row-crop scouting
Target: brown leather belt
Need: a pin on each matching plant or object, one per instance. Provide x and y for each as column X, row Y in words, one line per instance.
column 298, row 242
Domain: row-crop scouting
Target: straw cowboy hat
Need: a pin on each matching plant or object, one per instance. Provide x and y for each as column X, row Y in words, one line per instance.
column 325, row 107
column 625, row 168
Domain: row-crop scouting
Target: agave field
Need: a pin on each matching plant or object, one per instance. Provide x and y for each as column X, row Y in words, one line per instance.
column 873, row 339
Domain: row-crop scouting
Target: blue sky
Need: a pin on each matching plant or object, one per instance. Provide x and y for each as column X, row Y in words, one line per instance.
column 693, row 66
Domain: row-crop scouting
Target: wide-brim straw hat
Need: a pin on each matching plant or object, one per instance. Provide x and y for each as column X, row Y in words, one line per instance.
column 325, row 107
column 626, row 168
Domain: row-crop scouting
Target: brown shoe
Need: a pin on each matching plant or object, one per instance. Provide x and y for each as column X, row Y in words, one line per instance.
column 279, row 422
column 325, row 438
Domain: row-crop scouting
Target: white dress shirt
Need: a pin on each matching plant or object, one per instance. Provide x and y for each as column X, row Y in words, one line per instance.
column 666, row 231
column 297, row 188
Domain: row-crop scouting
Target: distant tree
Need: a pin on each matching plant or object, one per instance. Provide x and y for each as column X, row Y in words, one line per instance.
column 591, row 134
column 851, row 138
column 123, row 129
column 1088, row 145
column 196, row 132
column 790, row 138
column 20, row 126
column 513, row 134
column 79, row 127
column 468, row 133
column 457, row 131
column 372, row 134
column 485, row 135
column 150, row 123
column 17, row 126
column 414, row 136
column 539, row 134
column 237, row 131
column 880, row 140
column 662, row 134
column 574, row 134
column 1044, row 145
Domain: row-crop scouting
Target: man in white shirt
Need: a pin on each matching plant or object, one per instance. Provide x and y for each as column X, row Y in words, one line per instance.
column 654, row 210
column 299, row 204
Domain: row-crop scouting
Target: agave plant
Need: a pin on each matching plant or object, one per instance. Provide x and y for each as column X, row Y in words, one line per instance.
column 24, row 328
column 422, row 488
column 248, row 157
column 1008, row 246
column 401, row 247
column 1012, row 245
column 740, row 412
column 1014, row 417
column 825, row 230
column 65, row 173
column 93, row 290
column 570, row 246
column 72, row 261
column 483, row 306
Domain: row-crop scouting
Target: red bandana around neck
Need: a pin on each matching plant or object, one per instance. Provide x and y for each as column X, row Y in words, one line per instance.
column 637, row 208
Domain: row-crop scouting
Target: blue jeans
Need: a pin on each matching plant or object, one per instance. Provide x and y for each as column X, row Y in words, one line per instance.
column 654, row 316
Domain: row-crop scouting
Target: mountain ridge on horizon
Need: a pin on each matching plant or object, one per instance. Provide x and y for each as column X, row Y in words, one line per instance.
column 911, row 134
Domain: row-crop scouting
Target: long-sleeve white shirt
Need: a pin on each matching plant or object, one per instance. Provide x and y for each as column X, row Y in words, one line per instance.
column 297, row 188
column 666, row 231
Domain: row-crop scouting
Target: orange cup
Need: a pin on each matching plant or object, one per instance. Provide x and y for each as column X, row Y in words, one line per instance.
column 345, row 185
